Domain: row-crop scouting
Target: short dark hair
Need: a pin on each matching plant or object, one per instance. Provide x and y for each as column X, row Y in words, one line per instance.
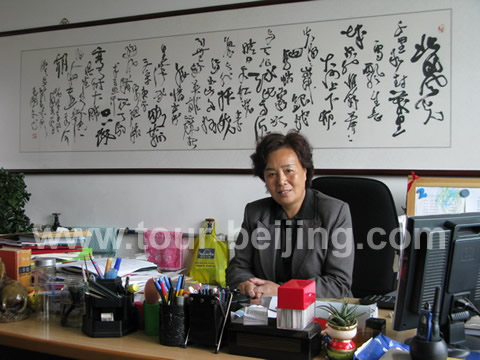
column 274, row 141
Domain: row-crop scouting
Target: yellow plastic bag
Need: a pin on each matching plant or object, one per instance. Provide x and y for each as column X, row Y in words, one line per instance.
column 210, row 256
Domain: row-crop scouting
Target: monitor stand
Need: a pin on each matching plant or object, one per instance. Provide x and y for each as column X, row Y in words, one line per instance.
column 472, row 343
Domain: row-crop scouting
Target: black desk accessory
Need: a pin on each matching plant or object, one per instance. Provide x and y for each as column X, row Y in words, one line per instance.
column 173, row 324
column 111, row 311
column 269, row 342
column 382, row 301
column 208, row 318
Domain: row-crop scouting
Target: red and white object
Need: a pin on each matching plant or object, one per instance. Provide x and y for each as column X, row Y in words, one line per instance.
column 296, row 304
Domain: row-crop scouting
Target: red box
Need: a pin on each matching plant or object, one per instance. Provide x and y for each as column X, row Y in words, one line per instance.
column 296, row 294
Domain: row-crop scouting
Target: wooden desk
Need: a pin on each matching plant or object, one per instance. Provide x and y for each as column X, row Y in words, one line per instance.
column 53, row 339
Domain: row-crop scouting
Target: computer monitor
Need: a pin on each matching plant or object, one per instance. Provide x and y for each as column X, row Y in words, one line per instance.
column 440, row 251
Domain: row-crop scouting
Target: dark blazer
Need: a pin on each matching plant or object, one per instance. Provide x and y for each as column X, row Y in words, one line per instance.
column 329, row 261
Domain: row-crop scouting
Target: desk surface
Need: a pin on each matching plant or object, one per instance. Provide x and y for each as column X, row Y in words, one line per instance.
column 53, row 339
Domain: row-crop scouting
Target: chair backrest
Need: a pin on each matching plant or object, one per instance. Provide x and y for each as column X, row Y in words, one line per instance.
column 372, row 207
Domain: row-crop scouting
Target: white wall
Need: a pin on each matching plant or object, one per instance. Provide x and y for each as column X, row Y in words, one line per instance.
column 170, row 201
column 26, row 14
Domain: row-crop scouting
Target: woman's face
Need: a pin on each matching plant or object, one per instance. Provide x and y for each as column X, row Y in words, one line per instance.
column 285, row 179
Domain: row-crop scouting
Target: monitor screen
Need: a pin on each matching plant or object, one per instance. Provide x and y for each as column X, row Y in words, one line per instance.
column 440, row 251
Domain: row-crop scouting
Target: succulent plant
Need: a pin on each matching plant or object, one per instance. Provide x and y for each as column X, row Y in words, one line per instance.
column 345, row 316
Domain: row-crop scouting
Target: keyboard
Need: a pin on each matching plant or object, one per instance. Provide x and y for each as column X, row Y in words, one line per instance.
column 383, row 301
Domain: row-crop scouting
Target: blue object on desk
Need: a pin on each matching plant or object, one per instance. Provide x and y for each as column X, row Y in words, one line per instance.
column 375, row 348
column 112, row 273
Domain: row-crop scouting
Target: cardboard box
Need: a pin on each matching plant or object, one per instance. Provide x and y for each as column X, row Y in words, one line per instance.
column 18, row 264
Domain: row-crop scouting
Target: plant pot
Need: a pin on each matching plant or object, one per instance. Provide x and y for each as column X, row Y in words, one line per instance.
column 341, row 332
column 341, row 345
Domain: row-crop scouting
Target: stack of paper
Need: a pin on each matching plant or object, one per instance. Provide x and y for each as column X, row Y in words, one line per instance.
column 472, row 326
column 127, row 266
column 255, row 315
column 64, row 245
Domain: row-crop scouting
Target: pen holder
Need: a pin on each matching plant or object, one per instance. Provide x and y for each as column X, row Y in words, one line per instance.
column 72, row 303
column 173, row 325
column 110, row 316
column 114, row 285
column 432, row 350
column 151, row 318
column 205, row 319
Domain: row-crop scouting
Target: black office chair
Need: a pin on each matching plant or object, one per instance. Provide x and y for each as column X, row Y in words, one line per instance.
column 371, row 206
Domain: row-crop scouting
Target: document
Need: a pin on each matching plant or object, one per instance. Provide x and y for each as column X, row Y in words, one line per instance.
column 127, row 267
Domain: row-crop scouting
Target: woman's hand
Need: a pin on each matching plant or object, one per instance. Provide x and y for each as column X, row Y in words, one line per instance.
column 264, row 288
column 247, row 287
column 256, row 288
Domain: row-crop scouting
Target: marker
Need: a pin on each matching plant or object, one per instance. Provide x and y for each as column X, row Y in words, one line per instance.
column 113, row 273
column 133, row 288
column 117, row 264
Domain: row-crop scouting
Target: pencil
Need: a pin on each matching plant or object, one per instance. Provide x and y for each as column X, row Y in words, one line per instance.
column 97, row 269
column 108, row 264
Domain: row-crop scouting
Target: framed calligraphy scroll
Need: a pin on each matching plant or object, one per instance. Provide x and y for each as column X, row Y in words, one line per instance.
column 199, row 90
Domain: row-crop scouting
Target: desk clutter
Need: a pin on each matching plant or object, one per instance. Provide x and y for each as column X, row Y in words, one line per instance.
column 175, row 310
column 114, row 297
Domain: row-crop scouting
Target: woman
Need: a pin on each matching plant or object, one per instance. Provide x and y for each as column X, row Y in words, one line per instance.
column 297, row 233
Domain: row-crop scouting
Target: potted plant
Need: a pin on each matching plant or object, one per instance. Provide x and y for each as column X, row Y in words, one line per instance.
column 13, row 198
column 341, row 328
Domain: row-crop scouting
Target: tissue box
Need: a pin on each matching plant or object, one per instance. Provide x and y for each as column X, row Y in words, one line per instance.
column 296, row 304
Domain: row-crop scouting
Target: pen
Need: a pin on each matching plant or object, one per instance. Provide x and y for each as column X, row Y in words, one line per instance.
column 84, row 274
column 171, row 296
column 95, row 265
column 160, row 290
column 179, row 284
column 163, row 285
column 166, row 282
column 127, row 281
column 102, row 289
column 164, row 289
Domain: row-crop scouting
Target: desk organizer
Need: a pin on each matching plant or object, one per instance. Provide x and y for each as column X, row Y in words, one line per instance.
column 110, row 317
column 269, row 342
column 173, row 325
column 296, row 304
column 206, row 316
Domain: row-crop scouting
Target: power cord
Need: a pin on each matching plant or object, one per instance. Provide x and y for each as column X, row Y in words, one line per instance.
column 467, row 305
